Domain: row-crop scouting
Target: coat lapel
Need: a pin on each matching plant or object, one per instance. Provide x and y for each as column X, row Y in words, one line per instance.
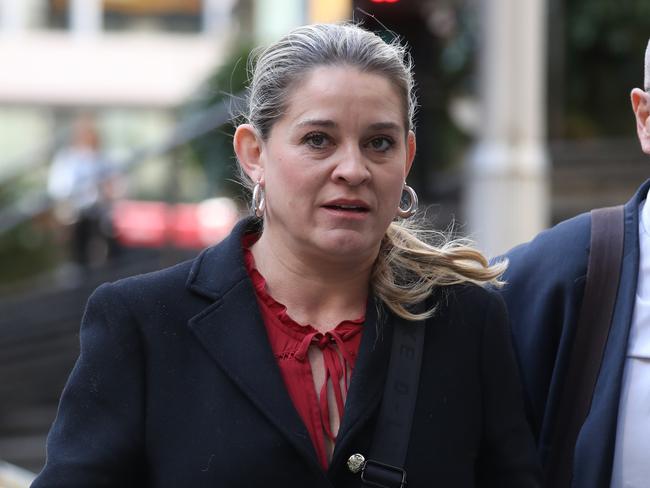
column 232, row 331
column 367, row 382
column 597, row 437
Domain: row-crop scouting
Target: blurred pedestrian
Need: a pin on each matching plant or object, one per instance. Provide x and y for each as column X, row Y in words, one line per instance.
column 263, row 361
column 80, row 184
column 588, row 387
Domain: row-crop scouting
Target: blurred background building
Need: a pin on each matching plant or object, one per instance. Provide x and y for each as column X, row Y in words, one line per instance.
column 115, row 142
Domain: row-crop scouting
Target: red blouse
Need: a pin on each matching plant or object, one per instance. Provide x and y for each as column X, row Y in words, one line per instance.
column 290, row 343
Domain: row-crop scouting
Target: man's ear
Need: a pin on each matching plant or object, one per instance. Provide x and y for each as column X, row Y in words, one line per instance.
column 410, row 152
column 641, row 108
column 248, row 148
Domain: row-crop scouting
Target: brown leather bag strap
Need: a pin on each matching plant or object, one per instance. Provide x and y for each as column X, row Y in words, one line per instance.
column 591, row 334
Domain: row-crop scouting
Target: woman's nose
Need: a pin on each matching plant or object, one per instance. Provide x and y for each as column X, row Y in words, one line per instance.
column 351, row 167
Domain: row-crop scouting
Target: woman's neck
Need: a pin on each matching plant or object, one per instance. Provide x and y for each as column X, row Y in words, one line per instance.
column 318, row 292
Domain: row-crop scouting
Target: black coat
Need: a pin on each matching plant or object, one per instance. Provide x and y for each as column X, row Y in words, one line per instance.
column 546, row 282
column 176, row 386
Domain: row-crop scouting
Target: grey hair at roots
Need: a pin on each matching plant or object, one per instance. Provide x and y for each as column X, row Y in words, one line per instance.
column 282, row 65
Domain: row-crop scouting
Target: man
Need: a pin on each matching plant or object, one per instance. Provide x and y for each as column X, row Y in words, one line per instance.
column 546, row 281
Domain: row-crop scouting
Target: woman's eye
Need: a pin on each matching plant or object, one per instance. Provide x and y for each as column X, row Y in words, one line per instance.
column 317, row 140
column 381, row 144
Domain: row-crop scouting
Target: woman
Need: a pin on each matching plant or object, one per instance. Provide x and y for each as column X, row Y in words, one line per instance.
column 262, row 362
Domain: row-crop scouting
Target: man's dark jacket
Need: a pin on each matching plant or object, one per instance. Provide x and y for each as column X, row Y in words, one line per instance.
column 546, row 281
column 176, row 386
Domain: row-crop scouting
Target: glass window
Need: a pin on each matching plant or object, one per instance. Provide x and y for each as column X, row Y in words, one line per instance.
column 157, row 15
column 57, row 16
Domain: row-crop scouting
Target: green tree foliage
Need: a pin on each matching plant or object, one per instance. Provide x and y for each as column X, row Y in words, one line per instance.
column 213, row 151
column 26, row 249
column 603, row 43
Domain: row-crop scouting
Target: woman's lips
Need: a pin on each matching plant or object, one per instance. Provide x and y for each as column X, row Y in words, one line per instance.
column 347, row 205
column 347, row 209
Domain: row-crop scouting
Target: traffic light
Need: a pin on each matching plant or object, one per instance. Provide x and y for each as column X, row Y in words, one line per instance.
column 408, row 20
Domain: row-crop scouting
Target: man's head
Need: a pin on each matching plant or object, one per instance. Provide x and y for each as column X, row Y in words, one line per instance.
column 641, row 106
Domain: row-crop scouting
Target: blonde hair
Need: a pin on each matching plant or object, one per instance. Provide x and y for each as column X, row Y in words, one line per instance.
column 409, row 265
column 413, row 261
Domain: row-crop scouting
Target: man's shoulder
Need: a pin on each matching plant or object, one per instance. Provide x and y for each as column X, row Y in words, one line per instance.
column 561, row 251
column 570, row 234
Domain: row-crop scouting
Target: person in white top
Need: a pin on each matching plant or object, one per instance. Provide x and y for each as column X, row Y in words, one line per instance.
column 546, row 281
column 81, row 185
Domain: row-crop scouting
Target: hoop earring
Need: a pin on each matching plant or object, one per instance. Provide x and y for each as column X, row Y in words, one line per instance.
column 409, row 211
column 258, row 203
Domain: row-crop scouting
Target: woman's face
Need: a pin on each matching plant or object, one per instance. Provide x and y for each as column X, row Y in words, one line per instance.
column 334, row 164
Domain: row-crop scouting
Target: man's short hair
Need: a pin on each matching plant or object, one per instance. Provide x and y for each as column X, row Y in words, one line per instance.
column 646, row 79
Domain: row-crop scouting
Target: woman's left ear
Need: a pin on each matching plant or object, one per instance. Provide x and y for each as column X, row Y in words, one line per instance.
column 248, row 148
column 410, row 152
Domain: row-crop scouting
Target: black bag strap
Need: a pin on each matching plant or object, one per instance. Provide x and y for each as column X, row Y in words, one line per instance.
column 596, row 311
column 385, row 464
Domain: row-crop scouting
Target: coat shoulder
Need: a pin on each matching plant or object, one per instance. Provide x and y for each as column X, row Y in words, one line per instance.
column 471, row 294
column 560, row 252
column 152, row 295
column 470, row 303
column 165, row 281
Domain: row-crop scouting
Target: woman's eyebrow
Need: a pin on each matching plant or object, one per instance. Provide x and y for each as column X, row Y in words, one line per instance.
column 327, row 123
column 385, row 126
column 318, row 123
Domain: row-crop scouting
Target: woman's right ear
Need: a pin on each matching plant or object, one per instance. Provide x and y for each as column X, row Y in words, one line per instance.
column 248, row 148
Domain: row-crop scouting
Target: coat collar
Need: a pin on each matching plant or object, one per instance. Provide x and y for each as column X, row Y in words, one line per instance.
column 637, row 199
column 221, row 267
column 232, row 331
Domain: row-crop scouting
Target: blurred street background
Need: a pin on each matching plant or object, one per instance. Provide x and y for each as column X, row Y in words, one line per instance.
column 116, row 157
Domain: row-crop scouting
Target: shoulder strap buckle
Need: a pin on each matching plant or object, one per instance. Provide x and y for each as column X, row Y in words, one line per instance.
column 382, row 475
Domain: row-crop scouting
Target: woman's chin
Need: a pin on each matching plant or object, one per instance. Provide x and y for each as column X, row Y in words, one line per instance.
column 349, row 245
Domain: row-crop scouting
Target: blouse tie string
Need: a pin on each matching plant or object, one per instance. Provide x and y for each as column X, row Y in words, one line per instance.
column 335, row 369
